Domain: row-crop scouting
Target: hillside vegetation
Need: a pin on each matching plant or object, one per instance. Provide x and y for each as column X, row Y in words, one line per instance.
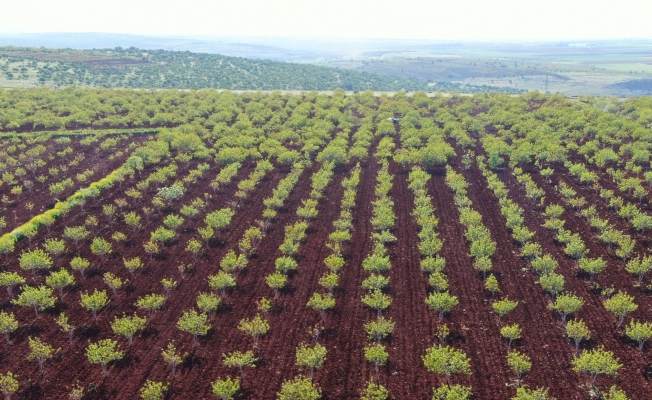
column 136, row 68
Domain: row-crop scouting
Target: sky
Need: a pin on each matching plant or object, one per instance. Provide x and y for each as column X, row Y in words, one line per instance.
column 405, row 19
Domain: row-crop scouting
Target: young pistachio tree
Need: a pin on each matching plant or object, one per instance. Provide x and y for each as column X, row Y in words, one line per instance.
column 208, row 303
column 132, row 264
column 34, row 260
column 322, row 303
column 221, row 281
column 552, row 283
column 95, row 301
column 40, row 352
column 639, row 266
column 226, row 389
column 578, row 331
column 128, row 326
column 153, row 390
column 240, row 360
column 194, row 323
column 620, row 305
column 458, row 392
column 172, row 357
column 491, row 284
column 377, row 355
column 8, row 324
column 151, row 303
column 639, row 332
column 299, row 389
column 80, row 264
column 62, row 321
column 566, row 304
column 441, row 303
column 59, row 280
column 255, row 327
column 374, row 391
column 114, row 282
column 445, row 360
column 8, row 384
column 103, row 352
column 101, row 247
column 377, row 300
column 511, row 332
column 276, row 281
column 379, row 329
column 503, row 307
column 311, row 357
column 596, row 362
column 520, row 363
column 9, row 280
column 38, row 298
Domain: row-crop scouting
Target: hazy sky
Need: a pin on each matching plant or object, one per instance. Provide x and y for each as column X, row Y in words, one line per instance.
column 424, row 19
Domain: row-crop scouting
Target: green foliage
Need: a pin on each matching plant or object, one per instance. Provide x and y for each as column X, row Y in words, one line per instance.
column 240, row 360
column 35, row 259
column 276, row 281
column 532, row 394
column 377, row 300
column 59, row 280
column 208, row 302
column 80, row 264
column 38, row 298
column 173, row 222
column 162, row 235
column 171, row 193
column 172, row 357
column 8, row 324
column 128, row 326
column 639, row 332
column 445, row 360
column 9, row 280
column 311, row 357
column 511, row 332
column 578, row 331
column 441, row 303
column 221, row 281
column 54, row 246
column 255, row 327
column 566, row 304
column 194, row 323
column 8, row 384
column 40, row 352
column 503, row 307
column 321, row 303
column 452, row 392
column 152, row 390
column 377, row 355
column 219, row 219
column 226, row 389
column 76, row 233
column 620, row 305
column 374, row 391
column 95, row 301
column 299, row 389
column 596, row 362
column 103, row 352
column 520, row 363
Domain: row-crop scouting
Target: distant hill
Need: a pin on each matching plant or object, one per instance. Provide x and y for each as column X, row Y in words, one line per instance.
column 641, row 85
column 137, row 68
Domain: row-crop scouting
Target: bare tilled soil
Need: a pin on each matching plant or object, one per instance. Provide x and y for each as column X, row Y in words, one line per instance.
column 634, row 375
column 475, row 329
column 40, row 196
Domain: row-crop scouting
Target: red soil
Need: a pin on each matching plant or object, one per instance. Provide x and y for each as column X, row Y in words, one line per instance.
column 98, row 161
column 475, row 329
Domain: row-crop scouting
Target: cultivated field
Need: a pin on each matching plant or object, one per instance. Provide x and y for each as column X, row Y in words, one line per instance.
column 306, row 246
